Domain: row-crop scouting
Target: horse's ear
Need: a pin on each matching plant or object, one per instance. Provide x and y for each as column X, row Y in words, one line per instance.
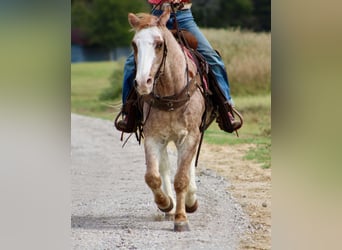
column 165, row 16
column 133, row 20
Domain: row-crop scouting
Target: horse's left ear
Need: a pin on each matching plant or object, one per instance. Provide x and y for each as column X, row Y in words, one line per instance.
column 133, row 20
column 165, row 16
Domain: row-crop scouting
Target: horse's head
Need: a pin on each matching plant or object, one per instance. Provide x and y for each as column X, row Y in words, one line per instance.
column 149, row 47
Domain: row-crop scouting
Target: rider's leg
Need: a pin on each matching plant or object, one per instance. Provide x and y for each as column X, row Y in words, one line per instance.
column 186, row 21
column 128, row 78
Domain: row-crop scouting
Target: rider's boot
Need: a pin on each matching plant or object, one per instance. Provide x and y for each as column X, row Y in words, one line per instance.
column 130, row 114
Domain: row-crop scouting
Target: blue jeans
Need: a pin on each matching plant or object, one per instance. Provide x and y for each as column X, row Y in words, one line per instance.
column 186, row 22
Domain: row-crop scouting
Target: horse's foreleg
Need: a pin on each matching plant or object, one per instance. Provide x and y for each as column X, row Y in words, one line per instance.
column 183, row 178
column 191, row 203
column 165, row 172
column 152, row 176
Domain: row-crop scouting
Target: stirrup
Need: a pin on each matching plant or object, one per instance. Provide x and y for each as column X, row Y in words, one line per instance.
column 238, row 115
column 224, row 121
column 117, row 122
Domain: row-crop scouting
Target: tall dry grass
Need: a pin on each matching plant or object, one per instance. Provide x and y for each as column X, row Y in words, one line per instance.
column 247, row 56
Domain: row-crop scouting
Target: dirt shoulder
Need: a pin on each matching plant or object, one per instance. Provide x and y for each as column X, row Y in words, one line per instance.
column 250, row 185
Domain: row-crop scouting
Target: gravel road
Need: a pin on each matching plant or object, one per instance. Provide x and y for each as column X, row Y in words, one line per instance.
column 112, row 207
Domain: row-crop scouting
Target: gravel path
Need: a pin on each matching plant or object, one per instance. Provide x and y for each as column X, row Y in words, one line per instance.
column 112, row 207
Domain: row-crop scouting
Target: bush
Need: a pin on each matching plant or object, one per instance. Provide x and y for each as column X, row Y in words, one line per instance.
column 114, row 91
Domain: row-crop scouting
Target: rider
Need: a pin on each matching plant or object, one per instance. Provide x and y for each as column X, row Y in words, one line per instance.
column 185, row 21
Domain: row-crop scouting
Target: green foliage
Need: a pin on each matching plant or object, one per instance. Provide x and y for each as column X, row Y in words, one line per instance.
column 115, row 89
column 88, row 81
column 104, row 22
column 80, row 16
column 246, row 14
column 262, row 15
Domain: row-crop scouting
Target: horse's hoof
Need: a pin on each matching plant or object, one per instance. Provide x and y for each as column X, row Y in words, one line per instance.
column 181, row 226
column 191, row 209
column 169, row 208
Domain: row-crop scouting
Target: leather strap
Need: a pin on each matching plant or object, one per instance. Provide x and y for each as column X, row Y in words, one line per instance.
column 170, row 103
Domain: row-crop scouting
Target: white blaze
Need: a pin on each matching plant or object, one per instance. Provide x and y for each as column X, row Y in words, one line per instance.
column 145, row 42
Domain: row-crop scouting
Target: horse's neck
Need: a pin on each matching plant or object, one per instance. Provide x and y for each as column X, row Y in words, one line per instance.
column 174, row 77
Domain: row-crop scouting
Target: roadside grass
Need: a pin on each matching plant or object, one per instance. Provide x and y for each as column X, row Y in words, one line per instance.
column 247, row 56
column 88, row 81
column 256, row 111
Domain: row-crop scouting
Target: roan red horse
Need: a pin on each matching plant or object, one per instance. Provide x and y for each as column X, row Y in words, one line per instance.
column 165, row 72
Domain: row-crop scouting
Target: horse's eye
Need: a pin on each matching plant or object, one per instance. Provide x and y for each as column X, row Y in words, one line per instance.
column 159, row 45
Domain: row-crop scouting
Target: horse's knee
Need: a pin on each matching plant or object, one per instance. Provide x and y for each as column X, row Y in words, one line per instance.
column 181, row 182
column 153, row 180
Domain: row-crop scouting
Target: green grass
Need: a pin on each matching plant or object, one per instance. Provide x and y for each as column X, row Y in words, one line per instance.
column 261, row 154
column 256, row 129
column 88, row 81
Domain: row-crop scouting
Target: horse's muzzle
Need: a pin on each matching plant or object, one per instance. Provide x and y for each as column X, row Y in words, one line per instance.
column 144, row 87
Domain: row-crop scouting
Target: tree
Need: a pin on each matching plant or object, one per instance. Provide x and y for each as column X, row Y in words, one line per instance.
column 262, row 14
column 104, row 22
column 222, row 13
column 246, row 14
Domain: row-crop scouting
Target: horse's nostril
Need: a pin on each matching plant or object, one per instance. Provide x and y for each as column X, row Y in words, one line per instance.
column 149, row 81
column 135, row 83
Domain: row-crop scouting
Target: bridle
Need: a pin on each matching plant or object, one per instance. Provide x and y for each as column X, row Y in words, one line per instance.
column 170, row 103
column 162, row 64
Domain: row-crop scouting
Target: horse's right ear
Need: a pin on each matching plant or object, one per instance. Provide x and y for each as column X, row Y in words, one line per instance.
column 165, row 16
column 133, row 20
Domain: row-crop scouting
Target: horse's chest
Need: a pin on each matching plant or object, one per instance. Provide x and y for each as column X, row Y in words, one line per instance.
column 170, row 126
column 168, row 132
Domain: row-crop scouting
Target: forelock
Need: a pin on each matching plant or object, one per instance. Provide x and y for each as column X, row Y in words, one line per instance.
column 146, row 20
